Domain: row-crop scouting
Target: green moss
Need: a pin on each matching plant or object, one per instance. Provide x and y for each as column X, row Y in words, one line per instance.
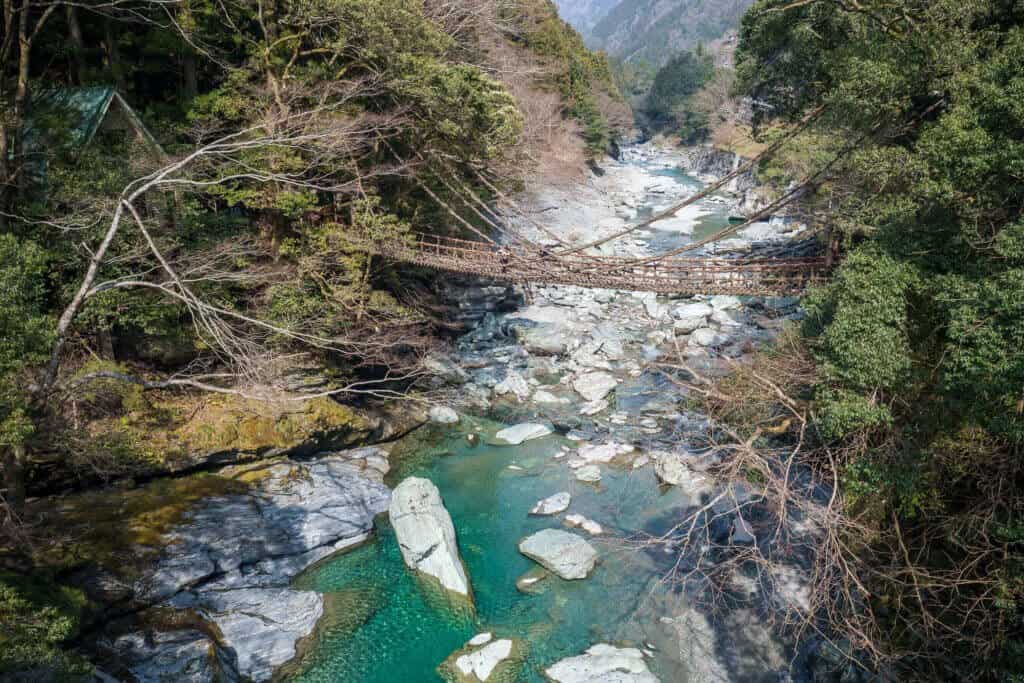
column 120, row 530
column 36, row 618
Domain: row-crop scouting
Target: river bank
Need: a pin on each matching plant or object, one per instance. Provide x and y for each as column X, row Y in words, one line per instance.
column 248, row 584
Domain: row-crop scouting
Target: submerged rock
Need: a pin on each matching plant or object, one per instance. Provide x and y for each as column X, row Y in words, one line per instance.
column 589, row 473
column 517, row 434
column 561, row 552
column 603, row 662
column 552, row 505
column 426, row 535
column 588, row 525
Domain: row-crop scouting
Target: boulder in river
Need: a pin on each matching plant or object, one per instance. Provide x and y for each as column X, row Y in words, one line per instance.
column 603, row 662
column 426, row 535
column 483, row 659
column 552, row 505
column 594, row 386
column 568, row 555
column 514, row 384
column 517, row 434
column 589, row 473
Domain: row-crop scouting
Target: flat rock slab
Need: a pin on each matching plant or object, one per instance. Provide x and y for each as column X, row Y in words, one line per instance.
column 517, row 434
column 552, row 505
column 603, row 662
column 568, row 555
column 426, row 535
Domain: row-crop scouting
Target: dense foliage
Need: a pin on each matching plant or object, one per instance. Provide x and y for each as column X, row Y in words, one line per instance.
column 222, row 250
column 919, row 335
column 669, row 100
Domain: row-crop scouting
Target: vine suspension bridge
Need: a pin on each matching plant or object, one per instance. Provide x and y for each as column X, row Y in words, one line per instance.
column 532, row 264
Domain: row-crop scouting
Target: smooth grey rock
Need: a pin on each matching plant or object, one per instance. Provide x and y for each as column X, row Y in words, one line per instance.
column 426, row 535
column 552, row 505
column 604, row 663
column 185, row 656
column 544, row 396
column 594, row 386
column 443, row 415
column 565, row 554
column 517, row 434
column 542, row 340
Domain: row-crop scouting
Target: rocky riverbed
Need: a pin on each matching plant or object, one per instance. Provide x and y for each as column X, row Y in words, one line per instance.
column 584, row 381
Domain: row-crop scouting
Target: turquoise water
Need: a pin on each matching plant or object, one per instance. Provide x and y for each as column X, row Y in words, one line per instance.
column 385, row 625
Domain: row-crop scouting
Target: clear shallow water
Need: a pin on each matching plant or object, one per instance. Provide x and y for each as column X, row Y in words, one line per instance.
column 713, row 216
column 385, row 625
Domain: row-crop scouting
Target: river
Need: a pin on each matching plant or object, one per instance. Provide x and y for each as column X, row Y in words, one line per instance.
column 383, row 624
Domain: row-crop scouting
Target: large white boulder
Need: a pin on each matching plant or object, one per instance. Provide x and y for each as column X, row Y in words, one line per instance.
column 565, row 554
column 603, row 662
column 594, row 386
column 426, row 535
column 517, row 434
column 552, row 505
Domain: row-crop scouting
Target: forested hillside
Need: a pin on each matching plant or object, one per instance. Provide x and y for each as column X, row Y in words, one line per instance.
column 182, row 186
column 909, row 381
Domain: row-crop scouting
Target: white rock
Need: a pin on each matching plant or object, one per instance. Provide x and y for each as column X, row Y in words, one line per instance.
column 565, row 554
column 480, row 639
column 552, row 505
column 589, row 473
column 594, row 407
column 724, row 302
column 603, row 662
column 705, row 336
column 723, row 319
column 594, row 386
column 588, row 525
column 443, row 415
column 544, row 396
column 514, row 384
column 605, row 452
column 695, row 310
column 517, row 434
column 481, row 663
column 425, row 533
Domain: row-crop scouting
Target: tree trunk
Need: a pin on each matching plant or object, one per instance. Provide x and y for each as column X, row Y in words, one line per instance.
column 114, row 55
column 14, row 477
column 78, row 43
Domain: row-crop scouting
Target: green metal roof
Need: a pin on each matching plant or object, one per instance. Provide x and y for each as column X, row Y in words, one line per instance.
column 73, row 115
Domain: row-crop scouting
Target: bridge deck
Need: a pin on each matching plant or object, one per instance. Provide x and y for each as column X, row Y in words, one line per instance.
column 696, row 275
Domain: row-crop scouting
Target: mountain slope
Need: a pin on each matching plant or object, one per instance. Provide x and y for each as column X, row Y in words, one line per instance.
column 654, row 30
column 583, row 15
